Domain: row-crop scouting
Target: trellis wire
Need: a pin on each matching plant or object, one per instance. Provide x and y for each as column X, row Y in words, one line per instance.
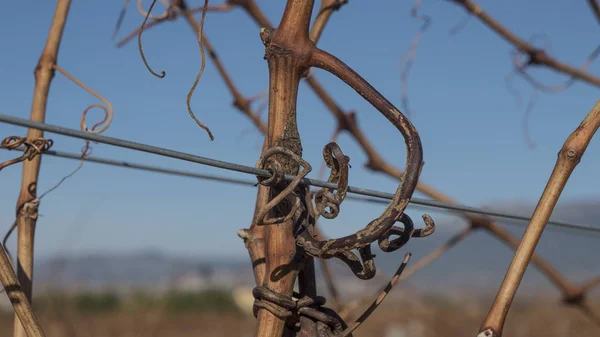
column 245, row 169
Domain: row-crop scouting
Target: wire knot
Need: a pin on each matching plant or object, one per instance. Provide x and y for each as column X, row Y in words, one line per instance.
column 275, row 165
column 30, row 209
column 32, row 148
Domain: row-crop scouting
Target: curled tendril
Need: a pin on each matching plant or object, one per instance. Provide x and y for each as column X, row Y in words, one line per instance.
column 404, row 234
column 163, row 16
column 107, row 108
column 326, row 198
column 266, row 162
column 364, row 270
column 32, row 148
column 13, row 142
column 203, row 57
column 162, row 73
column 103, row 124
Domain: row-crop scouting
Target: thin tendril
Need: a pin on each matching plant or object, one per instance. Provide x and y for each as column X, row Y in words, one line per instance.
column 108, row 109
column 162, row 73
column 121, row 17
column 526, row 117
column 459, row 26
column 108, row 115
column 189, row 96
column 408, row 59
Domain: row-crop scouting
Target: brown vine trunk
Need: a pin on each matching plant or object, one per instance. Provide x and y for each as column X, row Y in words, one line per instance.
column 286, row 52
column 44, row 72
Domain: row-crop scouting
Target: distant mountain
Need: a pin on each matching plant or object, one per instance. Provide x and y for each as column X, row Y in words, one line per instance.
column 478, row 263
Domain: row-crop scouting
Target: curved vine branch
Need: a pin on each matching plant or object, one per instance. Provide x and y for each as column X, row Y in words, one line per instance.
column 414, row 161
column 325, row 11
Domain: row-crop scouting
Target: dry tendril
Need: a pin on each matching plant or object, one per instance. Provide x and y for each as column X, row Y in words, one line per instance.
column 162, row 73
column 189, row 96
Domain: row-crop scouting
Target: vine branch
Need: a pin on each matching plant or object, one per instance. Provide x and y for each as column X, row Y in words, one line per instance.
column 568, row 158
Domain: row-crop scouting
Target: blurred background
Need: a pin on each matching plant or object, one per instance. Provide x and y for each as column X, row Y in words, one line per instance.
column 125, row 252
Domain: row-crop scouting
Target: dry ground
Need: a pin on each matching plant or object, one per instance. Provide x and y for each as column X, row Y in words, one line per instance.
column 401, row 318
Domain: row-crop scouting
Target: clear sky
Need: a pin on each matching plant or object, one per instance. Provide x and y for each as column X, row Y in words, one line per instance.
column 469, row 123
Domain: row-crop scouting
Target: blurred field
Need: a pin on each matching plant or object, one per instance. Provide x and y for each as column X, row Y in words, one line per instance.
column 215, row 313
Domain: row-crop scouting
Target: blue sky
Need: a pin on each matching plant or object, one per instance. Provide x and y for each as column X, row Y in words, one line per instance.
column 469, row 122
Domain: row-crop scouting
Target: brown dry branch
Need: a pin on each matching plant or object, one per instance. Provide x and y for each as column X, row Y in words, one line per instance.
column 44, row 73
column 596, row 8
column 409, row 57
column 254, row 237
column 285, row 69
column 325, row 11
column 520, row 68
column 535, row 55
column 18, row 298
column 568, row 158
